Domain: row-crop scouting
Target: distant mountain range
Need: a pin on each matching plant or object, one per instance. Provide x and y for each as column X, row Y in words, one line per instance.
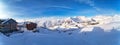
column 78, row 22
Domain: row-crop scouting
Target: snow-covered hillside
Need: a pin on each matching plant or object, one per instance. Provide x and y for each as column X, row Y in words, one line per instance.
column 79, row 30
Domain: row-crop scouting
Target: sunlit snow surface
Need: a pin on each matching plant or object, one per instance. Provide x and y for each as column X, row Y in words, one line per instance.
column 106, row 33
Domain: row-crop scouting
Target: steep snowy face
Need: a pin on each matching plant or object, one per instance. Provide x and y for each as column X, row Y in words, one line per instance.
column 80, row 19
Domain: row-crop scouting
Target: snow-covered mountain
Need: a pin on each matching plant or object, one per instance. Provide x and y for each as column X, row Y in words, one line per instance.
column 79, row 30
column 77, row 22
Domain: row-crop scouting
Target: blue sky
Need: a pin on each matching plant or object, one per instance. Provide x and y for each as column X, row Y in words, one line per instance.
column 49, row 8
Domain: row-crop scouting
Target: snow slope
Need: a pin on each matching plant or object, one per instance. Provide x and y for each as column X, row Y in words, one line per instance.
column 105, row 31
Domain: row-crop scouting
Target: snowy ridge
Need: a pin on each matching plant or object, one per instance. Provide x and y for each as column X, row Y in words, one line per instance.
column 78, row 22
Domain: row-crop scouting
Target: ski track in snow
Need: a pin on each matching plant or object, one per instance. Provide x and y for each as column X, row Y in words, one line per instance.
column 101, row 34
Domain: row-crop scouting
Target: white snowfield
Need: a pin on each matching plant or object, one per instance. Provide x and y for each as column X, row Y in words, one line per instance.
column 79, row 30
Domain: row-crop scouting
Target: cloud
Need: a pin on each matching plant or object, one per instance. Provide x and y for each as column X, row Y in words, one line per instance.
column 4, row 11
column 57, row 6
column 3, row 14
column 95, row 10
column 90, row 3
